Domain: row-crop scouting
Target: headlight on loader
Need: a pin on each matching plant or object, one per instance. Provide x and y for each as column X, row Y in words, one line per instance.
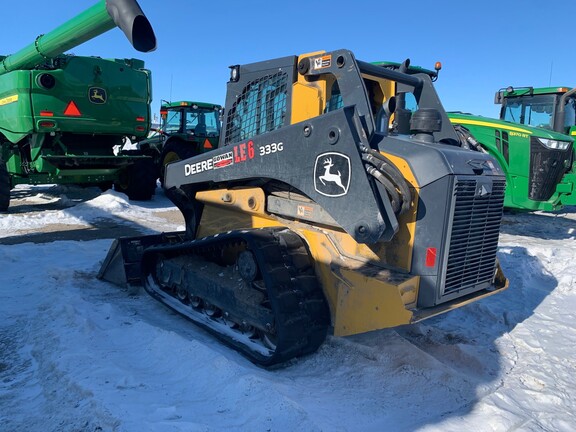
column 554, row 144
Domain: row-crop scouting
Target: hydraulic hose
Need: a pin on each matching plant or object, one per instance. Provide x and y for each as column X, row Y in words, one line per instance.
column 395, row 179
column 467, row 140
column 393, row 194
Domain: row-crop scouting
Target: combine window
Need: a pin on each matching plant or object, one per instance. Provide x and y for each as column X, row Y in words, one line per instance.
column 260, row 108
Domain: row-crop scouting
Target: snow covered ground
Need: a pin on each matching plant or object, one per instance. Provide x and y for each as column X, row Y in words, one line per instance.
column 79, row 354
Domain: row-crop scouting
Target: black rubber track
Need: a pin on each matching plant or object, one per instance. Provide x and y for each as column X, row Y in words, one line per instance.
column 296, row 301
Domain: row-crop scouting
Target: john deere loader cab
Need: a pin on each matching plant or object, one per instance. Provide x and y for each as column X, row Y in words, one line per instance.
column 187, row 129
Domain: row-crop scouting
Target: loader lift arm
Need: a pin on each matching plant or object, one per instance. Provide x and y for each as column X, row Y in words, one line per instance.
column 308, row 143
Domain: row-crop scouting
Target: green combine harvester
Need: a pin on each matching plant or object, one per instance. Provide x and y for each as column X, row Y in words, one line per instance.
column 530, row 142
column 64, row 117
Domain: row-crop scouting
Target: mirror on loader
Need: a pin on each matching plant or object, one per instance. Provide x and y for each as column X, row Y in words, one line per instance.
column 310, row 216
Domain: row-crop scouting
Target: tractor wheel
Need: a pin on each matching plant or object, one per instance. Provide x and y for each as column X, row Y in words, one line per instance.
column 173, row 151
column 4, row 187
column 138, row 181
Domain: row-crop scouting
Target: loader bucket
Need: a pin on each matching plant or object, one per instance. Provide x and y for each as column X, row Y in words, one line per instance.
column 122, row 265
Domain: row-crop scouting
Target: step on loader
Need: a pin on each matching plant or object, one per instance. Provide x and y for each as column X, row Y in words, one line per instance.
column 311, row 217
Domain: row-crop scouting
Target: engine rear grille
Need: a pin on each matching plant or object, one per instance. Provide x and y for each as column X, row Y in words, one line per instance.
column 474, row 237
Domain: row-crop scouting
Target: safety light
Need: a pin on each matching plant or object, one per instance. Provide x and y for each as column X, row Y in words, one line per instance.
column 140, row 119
column 140, row 128
column 437, row 66
column 554, row 144
column 46, row 114
column 430, row 257
column 234, row 73
column 46, row 124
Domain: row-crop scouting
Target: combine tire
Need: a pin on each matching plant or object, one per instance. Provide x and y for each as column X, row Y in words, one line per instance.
column 4, row 187
column 173, row 151
column 138, row 181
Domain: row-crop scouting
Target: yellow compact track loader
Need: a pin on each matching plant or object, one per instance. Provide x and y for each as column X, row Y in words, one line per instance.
column 314, row 215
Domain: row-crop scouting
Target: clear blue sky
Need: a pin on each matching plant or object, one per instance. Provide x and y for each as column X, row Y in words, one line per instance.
column 484, row 46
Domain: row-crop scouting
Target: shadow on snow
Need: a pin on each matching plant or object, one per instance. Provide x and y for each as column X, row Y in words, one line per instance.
column 559, row 225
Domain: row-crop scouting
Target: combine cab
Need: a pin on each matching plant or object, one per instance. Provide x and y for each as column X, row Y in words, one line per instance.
column 63, row 116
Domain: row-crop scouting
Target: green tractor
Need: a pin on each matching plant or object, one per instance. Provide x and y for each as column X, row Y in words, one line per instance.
column 187, row 129
column 537, row 161
column 64, row 117
column 549, row 108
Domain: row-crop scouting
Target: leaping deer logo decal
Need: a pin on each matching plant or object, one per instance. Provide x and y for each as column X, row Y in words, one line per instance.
column 330, row 177
column 332, row 174
column 97, row 95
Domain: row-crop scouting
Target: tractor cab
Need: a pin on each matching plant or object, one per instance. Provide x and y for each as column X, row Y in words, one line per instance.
column 191, row 121
column 552, row 108
column 187, row 129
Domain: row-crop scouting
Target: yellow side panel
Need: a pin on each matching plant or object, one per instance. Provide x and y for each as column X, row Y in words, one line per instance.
column 228, row 210
column 365, row 303
column 307, row 102
column 362, row 297
column 308, row 98
column 404, row 168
